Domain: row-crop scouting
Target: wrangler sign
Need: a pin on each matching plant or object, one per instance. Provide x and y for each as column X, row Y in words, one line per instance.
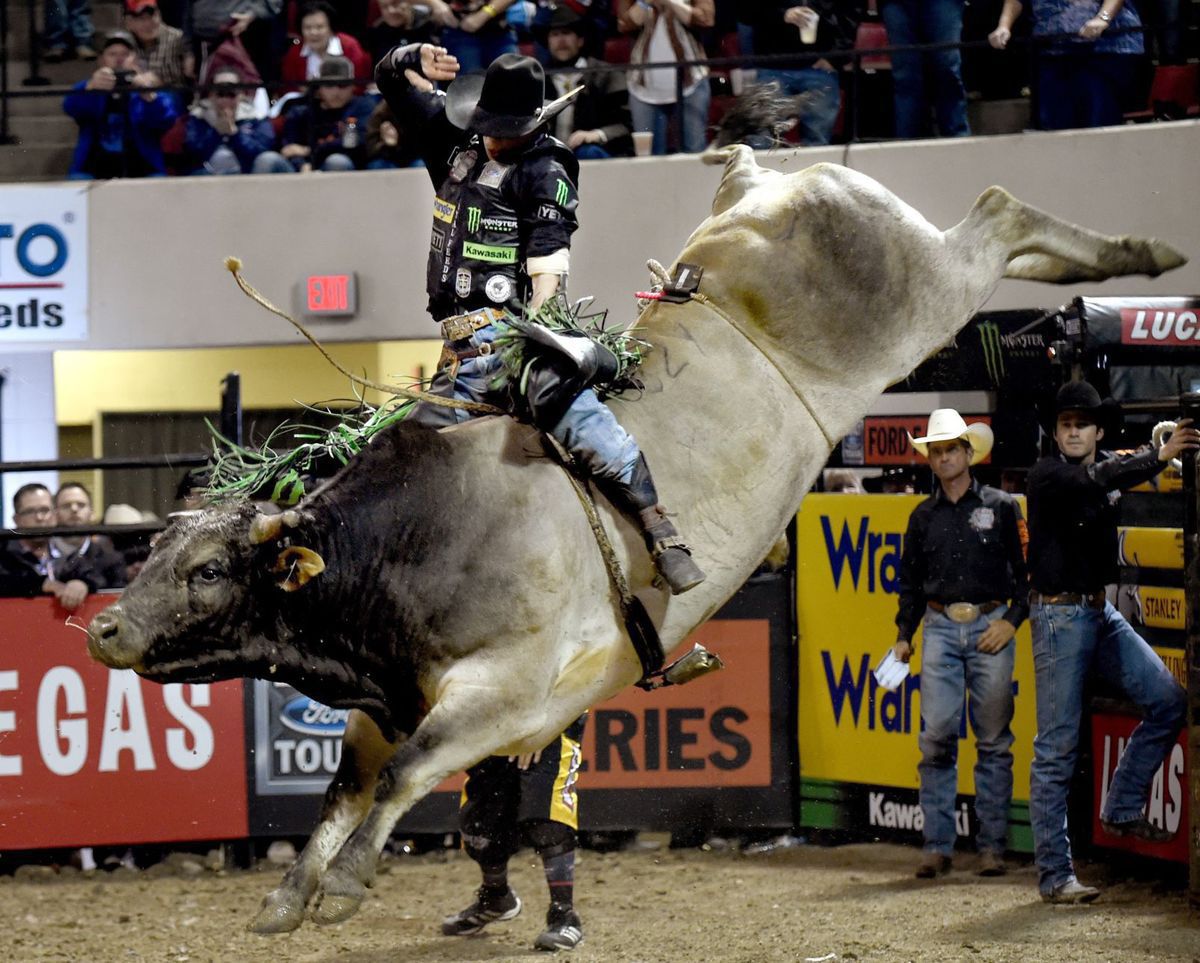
column 858, row 742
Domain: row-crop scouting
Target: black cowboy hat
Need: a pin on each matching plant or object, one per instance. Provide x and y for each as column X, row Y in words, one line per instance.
column 563, row 18
column 1081, row 396
column 508, row 101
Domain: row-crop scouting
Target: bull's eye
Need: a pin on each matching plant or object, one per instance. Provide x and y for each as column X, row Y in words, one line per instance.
column 210, row 574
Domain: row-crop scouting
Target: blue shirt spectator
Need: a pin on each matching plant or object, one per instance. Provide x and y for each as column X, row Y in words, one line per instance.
column 1069, row 16
column 121, row 122
column 224, row 136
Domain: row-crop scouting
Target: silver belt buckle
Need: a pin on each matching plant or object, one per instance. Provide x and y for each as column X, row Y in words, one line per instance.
column 962, row 612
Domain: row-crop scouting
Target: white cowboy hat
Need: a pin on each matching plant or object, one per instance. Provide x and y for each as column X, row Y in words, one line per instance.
column 946, row 424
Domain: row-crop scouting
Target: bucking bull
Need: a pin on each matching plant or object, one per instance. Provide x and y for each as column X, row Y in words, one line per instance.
column 447, row 586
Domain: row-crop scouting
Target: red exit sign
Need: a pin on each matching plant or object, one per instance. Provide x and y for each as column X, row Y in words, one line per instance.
column 331, row 295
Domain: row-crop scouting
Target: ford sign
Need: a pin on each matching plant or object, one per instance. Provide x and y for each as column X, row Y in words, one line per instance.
column 311, row 718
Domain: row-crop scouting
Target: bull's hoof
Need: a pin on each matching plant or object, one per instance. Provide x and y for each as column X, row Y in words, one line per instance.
column 1164, row 256
column 336, row 907
column 278, row 915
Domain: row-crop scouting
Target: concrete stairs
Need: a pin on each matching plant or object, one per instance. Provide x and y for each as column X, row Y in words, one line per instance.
column 43, row 137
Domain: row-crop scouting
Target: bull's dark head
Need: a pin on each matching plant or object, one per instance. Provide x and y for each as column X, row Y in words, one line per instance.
column 193, row 613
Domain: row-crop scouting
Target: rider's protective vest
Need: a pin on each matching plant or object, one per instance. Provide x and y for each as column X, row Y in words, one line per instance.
column 489, row 216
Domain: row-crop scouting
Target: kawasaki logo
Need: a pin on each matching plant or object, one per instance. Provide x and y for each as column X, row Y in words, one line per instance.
column 474, row 215
column 489, row 252
column 561, row 192
column 993, row 351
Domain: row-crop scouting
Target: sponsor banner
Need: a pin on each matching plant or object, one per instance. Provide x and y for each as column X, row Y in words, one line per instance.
column 1167, row 806
column 996, row 349
column 43, row 264
column 1150, row 547
column 96, row 756
column 1156, row 607
column 443, row 210
column 1140, row 322
column 715, row 749
column 1176, row 662
column 885, row 439
column 894, row 814
column 850, row 731
column 1169, row 327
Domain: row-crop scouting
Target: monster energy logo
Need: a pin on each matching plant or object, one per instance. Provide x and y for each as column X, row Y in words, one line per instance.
column 993, row 351
column 561, row 192
column 474, row 216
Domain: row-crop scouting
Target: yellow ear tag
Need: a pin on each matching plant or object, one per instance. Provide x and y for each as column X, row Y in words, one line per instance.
column 297, row 564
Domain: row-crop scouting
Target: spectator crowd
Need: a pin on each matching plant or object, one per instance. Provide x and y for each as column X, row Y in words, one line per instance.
column 280, row 86
column 58, row 560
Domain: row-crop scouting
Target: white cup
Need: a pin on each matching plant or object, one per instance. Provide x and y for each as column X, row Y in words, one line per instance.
column 643, row 141
column 808, row 33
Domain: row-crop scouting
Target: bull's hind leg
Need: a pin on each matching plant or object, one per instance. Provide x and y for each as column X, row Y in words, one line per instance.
column 1040, row 247
column 349, row 796
column 456, row 734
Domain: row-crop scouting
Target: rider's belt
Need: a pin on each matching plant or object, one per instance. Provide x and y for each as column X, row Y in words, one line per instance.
column 462, row 326
column 1093, row 600
column 964, row 612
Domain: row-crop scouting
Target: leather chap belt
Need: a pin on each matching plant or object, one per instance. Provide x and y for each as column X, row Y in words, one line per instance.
column 457, row 331
column 964, row 612
column 1093, row 600
column 462, row 326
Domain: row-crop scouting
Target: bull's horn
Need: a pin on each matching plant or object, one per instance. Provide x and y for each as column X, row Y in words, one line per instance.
column 297, row 564
column 268, row 528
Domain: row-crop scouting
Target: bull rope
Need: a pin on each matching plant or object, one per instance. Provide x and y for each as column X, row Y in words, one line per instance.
column 607, row 552
column 234, row 266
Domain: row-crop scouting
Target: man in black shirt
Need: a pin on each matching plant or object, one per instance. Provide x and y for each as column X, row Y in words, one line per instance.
column 503, row 217
column 963, row 572
column 1072, row 557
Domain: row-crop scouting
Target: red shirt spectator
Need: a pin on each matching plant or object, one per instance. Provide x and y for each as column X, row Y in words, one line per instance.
column 318, row 41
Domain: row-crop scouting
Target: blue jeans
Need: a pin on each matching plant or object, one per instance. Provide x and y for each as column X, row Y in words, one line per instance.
column 68, row 23
column 927, row 21
column 476, row 51
column 694, row 123
column 1069, row 642
column 589, row 430
column 1082, row 88
column 951, row 668
column 820, row 110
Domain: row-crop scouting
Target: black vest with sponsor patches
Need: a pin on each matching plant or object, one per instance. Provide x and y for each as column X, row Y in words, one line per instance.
column 490, row 216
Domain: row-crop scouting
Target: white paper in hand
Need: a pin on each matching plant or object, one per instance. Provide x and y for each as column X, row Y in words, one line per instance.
column 890, row 672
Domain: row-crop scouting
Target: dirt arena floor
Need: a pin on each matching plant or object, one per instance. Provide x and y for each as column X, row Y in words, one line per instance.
column 854, row 902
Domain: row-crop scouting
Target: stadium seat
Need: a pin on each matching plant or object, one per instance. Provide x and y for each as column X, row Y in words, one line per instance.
column 872, row 35
column 1174, row 94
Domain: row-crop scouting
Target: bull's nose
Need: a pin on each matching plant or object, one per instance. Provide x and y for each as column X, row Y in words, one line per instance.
column 103, row 635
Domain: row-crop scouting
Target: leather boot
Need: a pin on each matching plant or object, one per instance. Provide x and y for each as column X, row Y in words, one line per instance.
column 638, row 500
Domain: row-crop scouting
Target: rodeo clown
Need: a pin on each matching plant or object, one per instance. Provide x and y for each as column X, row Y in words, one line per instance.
column 503, row 216
column 963, row 574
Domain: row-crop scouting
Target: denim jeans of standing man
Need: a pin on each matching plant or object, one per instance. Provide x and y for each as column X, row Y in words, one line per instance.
column 588, row 430
column 657, row 118
column 68, row 23
column 1069, row 643
column 920, row 78
column 951, row 667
